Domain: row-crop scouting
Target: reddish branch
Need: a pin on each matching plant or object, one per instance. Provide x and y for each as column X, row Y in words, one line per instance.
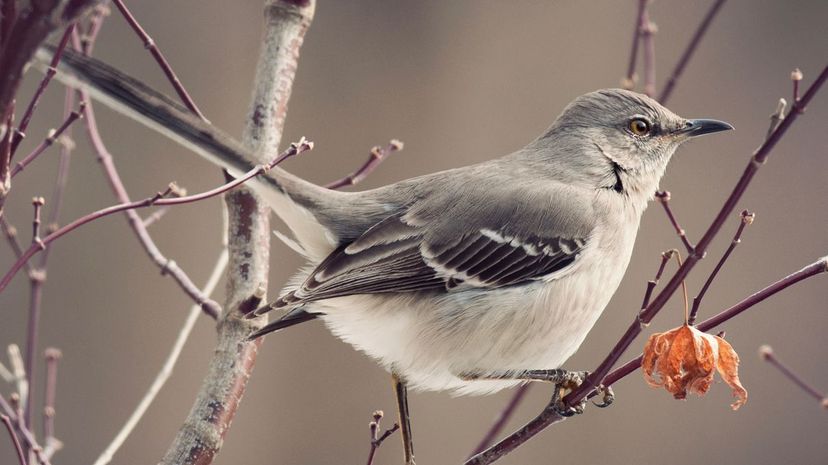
column 651, row 284
column 746, row 219
column 30, row 28
column 376, row 438
column 688, row 52
column 819, row 266
column 664, row 199
column 23, row 432
column 20, row 133
column 377, row 156
column 48, row 141
column 766, row 353
column 599, row 376
column 629, row 81
column 157, row 199
column 21, row 456
column 167, row 265
column 502, row 419
column 149, row 44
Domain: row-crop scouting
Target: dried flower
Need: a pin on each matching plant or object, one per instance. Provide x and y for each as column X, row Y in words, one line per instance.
column 683, row 360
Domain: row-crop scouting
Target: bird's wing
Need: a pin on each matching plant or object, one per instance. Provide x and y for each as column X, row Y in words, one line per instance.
column 439, row 245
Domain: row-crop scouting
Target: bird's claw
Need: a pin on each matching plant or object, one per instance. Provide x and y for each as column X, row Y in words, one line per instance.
column 570, row 381
column 607, row 396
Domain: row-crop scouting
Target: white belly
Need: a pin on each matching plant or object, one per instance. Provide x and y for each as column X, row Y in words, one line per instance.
column 430, row 338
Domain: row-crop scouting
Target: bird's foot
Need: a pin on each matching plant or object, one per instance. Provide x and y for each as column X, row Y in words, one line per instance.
column 607, row 396
column 565, row 382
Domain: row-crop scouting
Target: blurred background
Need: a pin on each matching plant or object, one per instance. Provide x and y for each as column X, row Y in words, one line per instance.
column 458, row 82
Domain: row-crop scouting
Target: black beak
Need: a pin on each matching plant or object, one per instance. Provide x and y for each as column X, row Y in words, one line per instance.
column 699, row 127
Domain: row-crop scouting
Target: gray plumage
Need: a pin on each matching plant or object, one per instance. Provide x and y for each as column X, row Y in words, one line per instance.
column 499, row 267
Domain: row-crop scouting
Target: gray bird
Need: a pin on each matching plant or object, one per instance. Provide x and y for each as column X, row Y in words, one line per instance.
column 469, row 280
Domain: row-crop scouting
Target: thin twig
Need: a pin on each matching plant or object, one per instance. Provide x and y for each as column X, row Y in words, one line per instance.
column 766, row 353
column 701, row 30
column 18, row 368
column 746, row 219
column 502, row 419
column 36, row 279
column 11, row 236
column 629, row 80
column 796, row 77
column 48, row 141
column 376, row 438
column 377, row 156
column 149, row 44
column 21, row 456
column 665, row 257
column 776, row 117
column 157, row 199
column 664, row 199
column 85, row 42
column 167, row 265
column 29, row 439
column 648, row 45
column 155, row 216
column 52, row 356
column 20, row 133
column 169, row 364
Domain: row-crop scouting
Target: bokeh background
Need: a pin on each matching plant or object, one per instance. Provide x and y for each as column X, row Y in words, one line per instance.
column 459, row 82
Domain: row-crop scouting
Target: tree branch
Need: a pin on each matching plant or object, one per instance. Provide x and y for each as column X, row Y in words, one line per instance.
column 199, row 438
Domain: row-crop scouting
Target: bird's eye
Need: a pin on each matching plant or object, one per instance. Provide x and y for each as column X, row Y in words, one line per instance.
column 640, row 126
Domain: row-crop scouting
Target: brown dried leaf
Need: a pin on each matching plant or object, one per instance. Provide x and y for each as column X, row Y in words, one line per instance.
column 683, row 360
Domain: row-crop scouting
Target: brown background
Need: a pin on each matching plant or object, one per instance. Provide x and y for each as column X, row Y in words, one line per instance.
column 459, row 82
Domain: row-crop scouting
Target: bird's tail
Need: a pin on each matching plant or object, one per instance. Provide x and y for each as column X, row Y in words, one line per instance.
column 291, row 318
column 291, row 197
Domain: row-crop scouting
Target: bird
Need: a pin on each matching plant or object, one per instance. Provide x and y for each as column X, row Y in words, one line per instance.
column 469, row 280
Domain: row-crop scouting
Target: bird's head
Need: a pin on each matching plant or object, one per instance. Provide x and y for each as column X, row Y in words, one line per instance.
column 620, row 140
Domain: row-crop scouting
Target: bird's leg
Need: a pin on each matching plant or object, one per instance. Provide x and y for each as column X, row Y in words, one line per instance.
column 563, row 380
column 401, row 391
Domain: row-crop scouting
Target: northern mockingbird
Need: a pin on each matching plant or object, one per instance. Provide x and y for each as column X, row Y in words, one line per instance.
column 469, row 280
